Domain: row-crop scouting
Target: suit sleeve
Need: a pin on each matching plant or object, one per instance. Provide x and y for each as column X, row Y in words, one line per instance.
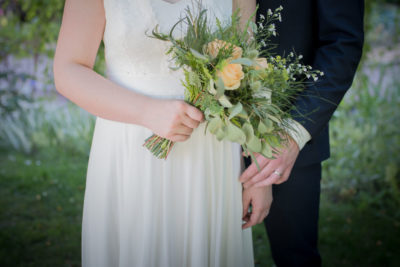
column 340, row 41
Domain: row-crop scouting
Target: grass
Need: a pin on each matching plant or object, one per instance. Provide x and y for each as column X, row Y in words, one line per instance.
column 41, row 206
column 40, row 209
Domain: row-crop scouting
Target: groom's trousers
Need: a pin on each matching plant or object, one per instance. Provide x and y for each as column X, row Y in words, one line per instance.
column 292, row 223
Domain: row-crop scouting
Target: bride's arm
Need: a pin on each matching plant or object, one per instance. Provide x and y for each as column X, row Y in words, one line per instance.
column 78, row 42
column 247, row 8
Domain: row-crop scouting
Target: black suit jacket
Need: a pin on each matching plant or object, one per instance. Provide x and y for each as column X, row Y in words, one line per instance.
column 329, row 34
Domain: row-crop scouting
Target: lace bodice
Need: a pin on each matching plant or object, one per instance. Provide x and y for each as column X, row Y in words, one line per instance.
column 137, row 61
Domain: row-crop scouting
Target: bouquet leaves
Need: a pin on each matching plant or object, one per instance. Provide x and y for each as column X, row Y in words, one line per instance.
column 244, row 91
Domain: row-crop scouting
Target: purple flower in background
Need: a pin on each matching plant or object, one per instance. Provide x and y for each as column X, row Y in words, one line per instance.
column 32, row 83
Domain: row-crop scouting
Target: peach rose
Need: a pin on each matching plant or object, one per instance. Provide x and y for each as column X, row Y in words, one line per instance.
column 261, row 63
column 231, row 75
column 214, row 47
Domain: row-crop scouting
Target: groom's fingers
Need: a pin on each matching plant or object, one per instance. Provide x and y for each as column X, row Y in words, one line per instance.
column 285, row 175
column 265, row 174
column 274, row 179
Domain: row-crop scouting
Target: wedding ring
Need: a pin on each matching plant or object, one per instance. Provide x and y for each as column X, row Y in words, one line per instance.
column 277, row 173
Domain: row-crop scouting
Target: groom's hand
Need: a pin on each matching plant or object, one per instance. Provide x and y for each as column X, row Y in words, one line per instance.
column 272, row 171
column 260, row 199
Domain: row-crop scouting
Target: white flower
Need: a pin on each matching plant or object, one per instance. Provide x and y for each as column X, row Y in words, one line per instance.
column 263, row 43
column 262, row 16
column 322, row 73
column 300, row 56
column 269, row 12
column 280, row 18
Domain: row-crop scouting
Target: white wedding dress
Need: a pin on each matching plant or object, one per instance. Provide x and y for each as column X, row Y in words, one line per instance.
column 143, row 211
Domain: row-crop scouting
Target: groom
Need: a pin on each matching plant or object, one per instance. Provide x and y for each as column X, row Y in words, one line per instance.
column 329, row 35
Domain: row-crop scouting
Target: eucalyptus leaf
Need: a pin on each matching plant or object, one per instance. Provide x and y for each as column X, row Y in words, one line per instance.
column 243, row 114
column 275, row 119
column 220, row 134
column 254, row 144
column 235, row 110
column 235, row 134
column 248, row 130
column 262, row 128
column 243, row 61
column 266, row 150
column 214, row 125
column 225, row 101
column 220, row 87
column 198, row 55
column 269, row 124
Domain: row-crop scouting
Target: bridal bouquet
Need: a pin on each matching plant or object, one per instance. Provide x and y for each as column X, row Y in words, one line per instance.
column 244, row 91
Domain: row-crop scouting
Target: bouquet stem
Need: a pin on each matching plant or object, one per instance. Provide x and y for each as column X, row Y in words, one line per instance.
column 159, row 146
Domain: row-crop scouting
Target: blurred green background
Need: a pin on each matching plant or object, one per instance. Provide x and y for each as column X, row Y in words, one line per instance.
column 45, row 141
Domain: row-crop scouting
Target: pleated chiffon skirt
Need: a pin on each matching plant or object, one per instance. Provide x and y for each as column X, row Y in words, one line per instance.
column 182, row 211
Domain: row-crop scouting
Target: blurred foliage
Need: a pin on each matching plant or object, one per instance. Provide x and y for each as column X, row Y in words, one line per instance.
column 30, row 28
column 365, row 139
column 47, row 125
column 364, row 168
column 11, row 98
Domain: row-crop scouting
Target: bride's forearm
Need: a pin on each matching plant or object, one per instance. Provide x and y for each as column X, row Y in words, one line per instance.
column 100, row 96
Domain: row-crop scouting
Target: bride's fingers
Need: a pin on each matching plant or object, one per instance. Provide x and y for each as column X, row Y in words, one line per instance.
column 189, row 122
column 194, row 113
column 252, row 221
column 179, row 138
column 246, row 205
column 183, row 129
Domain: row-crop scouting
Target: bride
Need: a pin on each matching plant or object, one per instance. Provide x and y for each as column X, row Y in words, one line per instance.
column 140, row 210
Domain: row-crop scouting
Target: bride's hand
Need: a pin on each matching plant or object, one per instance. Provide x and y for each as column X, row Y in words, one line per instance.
column 260, row 199
column 174, row 119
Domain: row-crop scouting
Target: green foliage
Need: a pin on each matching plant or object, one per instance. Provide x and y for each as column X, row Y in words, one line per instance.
column 12, row 99
column 263, row 87
column 365, row 161
column 30, row 28
column 365, row 136
column 46, row 125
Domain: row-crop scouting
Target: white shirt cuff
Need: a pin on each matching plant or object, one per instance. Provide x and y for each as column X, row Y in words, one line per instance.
column 297, row 132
